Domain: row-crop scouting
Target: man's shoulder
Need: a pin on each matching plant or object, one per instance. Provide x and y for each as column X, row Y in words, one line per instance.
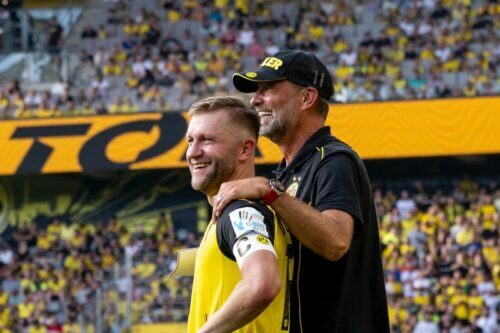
column 241, row 217
column 335, row 152
column 333, row 145
column 242, row 203
column 243, row 212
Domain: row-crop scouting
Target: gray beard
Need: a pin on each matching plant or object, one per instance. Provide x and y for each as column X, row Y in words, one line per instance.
column 276, row 130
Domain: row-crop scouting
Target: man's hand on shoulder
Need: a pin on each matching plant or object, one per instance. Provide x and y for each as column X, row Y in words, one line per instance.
column 250, row 188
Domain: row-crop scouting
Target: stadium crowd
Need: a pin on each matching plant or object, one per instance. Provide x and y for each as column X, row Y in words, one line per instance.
column 52, row 277
column 163, row 55
column 441, row 256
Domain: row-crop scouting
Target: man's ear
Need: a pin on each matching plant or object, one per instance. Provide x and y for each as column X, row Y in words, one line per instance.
column 309, row 97
column 247, row 149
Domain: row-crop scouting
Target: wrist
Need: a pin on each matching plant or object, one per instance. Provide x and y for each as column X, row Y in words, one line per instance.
column 264, row 189
column 274, row 190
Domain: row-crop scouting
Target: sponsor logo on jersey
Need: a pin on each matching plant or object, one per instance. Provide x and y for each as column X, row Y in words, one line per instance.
column 248, row 219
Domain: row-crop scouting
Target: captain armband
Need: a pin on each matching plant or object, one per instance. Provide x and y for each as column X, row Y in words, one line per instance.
column 249, row 244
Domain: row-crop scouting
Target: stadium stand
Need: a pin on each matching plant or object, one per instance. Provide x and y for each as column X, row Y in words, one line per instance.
column 440, row 253
column 162, row 55
column 52, row 275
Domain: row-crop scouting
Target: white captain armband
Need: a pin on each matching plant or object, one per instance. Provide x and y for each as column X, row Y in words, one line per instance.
column 248, row 219
column 250, row 243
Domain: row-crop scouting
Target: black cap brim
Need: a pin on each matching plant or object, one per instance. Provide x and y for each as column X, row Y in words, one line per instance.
column 248, row 82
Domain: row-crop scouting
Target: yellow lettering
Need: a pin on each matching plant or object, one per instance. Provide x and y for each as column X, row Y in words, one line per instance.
column 278, row 64
column 272, row 62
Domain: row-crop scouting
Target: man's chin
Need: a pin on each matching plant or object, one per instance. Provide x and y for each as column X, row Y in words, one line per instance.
column 197, row 186
column 202, row 187
column 264, row 132
column 270, row 135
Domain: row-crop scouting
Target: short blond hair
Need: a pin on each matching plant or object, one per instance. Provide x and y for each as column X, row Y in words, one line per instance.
column 237, row 110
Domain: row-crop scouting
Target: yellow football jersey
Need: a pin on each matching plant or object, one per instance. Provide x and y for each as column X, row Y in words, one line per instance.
column 217, row 273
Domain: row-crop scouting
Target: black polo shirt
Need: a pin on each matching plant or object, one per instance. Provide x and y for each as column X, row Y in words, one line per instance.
column 347, row 295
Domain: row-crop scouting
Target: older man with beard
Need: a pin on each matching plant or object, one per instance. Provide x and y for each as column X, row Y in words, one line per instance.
column 242, row 271
column 327, row 205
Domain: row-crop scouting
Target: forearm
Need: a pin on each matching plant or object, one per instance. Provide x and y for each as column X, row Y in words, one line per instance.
column 328, row 233
column 240, row 308
column 325, row 235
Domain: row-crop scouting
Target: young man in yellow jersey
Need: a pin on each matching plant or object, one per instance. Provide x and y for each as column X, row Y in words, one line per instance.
column 242, row 271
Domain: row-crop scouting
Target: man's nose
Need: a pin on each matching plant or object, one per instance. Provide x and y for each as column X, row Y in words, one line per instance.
column 194, row 150
column 256, row 99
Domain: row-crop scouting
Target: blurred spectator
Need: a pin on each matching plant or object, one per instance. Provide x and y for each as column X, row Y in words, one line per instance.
column 405, row 204
column 88, row 32
column 256, row 49
column 55, row 36
column 488, row 320
column 6, row 255
column 271, row 47
column 59, row 88
column 4, row 15
column 426, row 324
column 246, row 36
column 153, row 34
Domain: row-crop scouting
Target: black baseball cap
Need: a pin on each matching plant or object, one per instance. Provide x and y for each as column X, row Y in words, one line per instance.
column 300, row 67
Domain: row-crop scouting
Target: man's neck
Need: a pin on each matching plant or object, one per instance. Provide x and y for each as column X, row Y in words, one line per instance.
column 248, row 171
column 294, row 141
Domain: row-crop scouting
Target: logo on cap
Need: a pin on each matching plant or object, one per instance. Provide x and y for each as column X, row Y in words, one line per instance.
column 251, row 74
column 272, row 62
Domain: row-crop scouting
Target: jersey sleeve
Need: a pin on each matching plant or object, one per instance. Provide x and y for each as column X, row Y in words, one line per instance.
column 336, row 186
column 248, row 223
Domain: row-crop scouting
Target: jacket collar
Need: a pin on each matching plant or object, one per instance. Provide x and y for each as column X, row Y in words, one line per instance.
column 307, row 150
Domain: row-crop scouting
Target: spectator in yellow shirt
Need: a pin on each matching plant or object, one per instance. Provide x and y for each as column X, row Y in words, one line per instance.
column 56, row 284
column 343, row 71
column 26, row 308
column 37, row 327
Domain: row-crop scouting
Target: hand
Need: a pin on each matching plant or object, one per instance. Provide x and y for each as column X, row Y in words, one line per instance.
column 249, row 188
